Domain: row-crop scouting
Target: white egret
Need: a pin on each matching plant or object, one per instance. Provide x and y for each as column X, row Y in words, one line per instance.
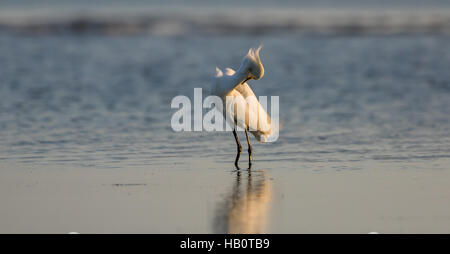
column 234, row 85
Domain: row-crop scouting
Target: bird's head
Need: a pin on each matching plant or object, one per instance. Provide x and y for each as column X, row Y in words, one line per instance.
column 253, row 65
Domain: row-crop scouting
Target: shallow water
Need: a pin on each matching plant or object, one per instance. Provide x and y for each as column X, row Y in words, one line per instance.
column 84, row 118
column 105, row 101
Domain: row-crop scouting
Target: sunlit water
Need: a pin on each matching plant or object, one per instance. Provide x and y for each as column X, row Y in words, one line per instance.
column 96, row 103
column 105, row 101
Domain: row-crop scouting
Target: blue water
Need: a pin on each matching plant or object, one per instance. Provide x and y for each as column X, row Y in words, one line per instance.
column 86, row 143
column 104, row 101
column 137, row 17
column 327, row 3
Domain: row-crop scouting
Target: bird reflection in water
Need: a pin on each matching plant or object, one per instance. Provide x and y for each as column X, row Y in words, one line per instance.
column 245, row 209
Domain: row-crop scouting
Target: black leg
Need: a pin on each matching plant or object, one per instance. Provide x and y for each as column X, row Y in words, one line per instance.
column 239, row 148
column 249, row 149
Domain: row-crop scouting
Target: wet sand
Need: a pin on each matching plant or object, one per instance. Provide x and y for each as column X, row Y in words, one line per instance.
column 216, row 199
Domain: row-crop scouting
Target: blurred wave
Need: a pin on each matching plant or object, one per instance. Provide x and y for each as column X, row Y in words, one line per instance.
column 240, row 21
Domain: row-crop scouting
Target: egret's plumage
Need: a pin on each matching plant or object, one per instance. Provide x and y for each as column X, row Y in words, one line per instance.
column 256, row 119
column 234, row 84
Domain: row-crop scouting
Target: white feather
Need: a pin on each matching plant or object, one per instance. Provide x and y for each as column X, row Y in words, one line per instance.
column 256, row 118
column 252, row 115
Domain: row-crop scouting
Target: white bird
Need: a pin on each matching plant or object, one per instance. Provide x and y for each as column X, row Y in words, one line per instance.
column 244, row 110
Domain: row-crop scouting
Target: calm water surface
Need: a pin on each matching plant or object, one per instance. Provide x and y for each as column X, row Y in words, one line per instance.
column 84, row 118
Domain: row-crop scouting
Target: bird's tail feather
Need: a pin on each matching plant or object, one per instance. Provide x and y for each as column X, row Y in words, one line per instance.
column 265, row 136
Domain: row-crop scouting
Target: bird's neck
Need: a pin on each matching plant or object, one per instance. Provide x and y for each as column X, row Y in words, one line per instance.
column 241, row 76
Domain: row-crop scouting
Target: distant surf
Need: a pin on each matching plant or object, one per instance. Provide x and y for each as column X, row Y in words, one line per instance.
column 227, row 21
